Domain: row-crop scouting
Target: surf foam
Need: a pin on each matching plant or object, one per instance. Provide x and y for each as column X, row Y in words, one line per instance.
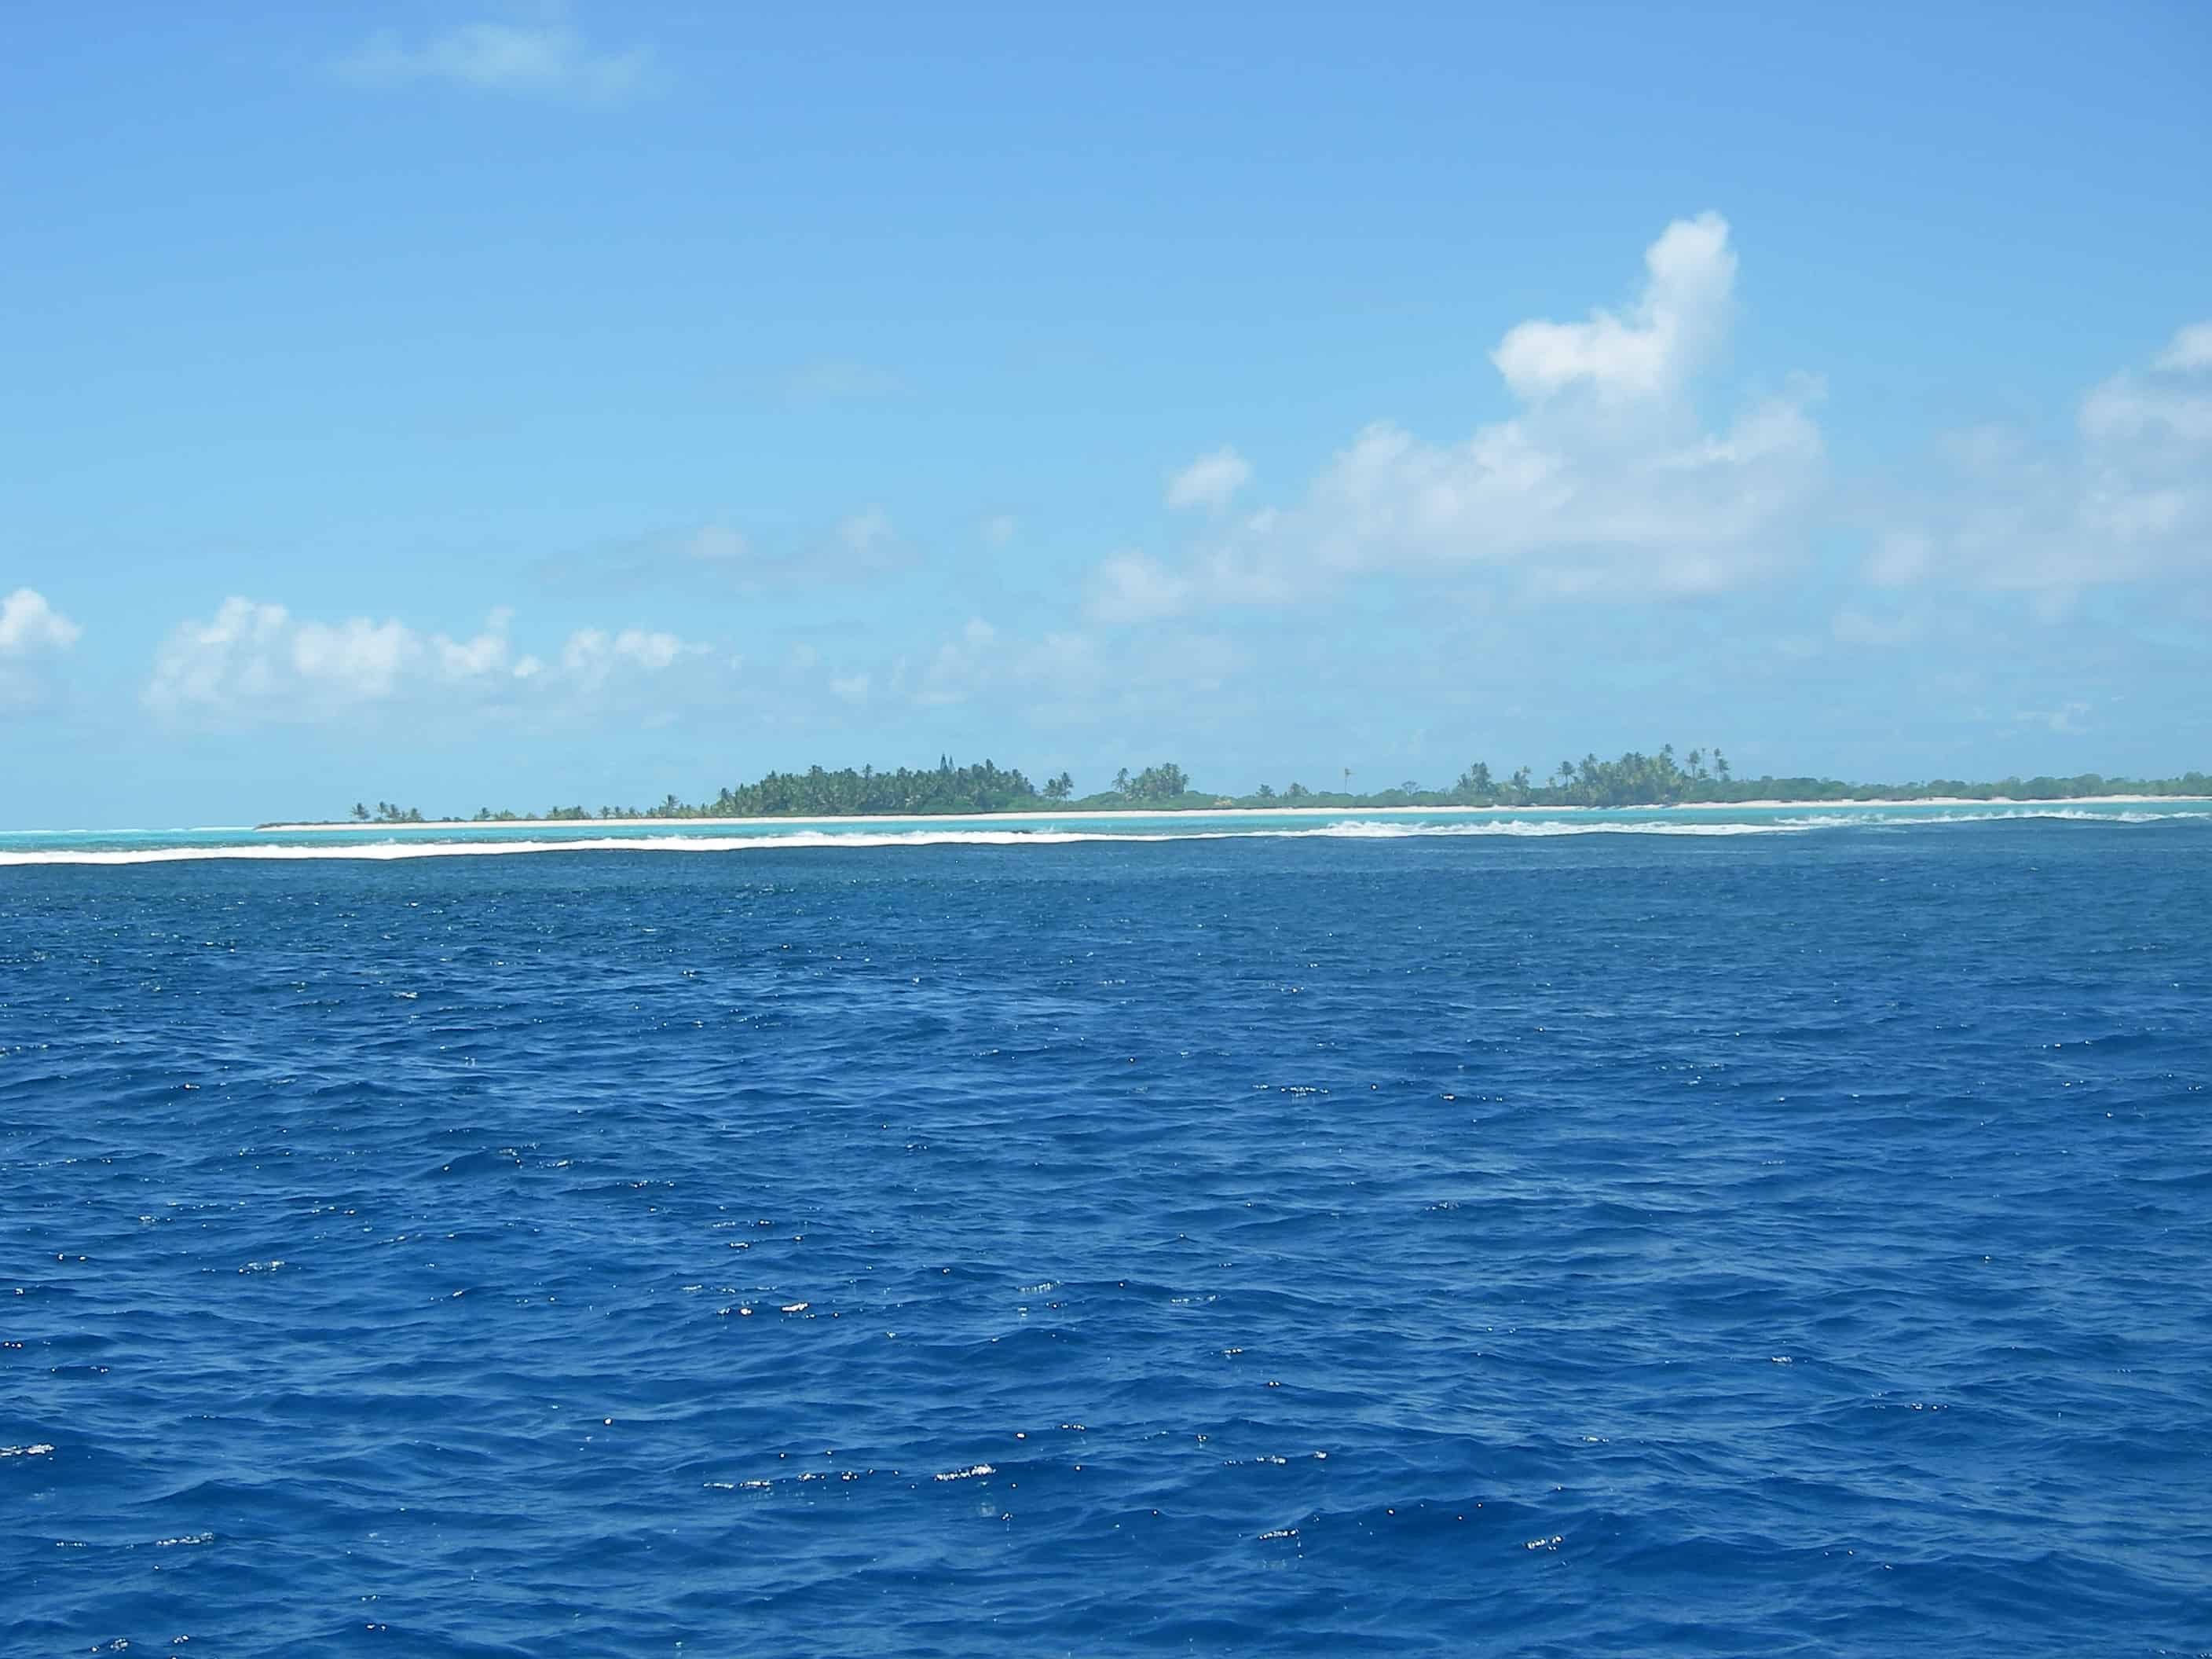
column 1349, row 829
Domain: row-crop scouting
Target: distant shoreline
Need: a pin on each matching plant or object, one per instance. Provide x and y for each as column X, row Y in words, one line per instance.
column 1028, row 817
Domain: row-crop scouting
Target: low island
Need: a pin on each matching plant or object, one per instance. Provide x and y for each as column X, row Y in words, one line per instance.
column 1699, row 778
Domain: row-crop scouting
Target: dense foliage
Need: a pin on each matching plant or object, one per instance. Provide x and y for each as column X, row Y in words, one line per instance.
column 1635, row 779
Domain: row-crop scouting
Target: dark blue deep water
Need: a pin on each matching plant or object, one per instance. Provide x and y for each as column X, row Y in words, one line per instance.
column 1627, row 1244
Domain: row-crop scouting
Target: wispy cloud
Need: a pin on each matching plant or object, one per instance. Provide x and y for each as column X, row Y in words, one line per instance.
column 2065, row 720
column 866, row 536
column 1134, row 586
column 838, row 379
column 1066, row 678
column 1210, row 481
column 2190, row 348
column 2128, row 497
column 543, row 60
column 1856, row 625
column 717, row 553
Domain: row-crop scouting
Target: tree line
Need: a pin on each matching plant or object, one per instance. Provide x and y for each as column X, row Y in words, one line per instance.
column 1702, row 776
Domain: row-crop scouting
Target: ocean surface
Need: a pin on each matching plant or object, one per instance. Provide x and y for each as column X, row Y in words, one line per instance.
column 1763, row 1233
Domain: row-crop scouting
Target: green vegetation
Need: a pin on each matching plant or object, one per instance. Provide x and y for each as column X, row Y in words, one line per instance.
column 1700, row 777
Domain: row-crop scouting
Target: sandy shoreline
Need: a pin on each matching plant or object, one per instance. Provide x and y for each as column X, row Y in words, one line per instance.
column 1216, row 811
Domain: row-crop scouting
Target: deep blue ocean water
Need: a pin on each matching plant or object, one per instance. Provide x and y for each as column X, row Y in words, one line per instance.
column 1622, row 1243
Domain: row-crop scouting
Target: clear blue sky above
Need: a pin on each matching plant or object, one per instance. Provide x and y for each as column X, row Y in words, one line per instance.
column 464, row 405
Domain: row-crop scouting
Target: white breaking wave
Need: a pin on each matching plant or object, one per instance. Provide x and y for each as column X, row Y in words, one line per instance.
column 1348, row 828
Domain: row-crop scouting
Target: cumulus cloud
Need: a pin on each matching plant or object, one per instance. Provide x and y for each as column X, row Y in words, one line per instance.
column 30, row 627
column 254, row 663
column 543, row 60
column 1211, row 481
column 32, row 632
column 1607, row 484
column 1690, row 274
column 2128, row 497
column 591, row 655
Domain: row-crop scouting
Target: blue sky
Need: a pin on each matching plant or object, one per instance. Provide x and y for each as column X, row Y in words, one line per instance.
column 461, row 404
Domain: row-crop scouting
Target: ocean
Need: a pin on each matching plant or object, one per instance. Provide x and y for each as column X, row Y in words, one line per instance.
column 1732, row 1232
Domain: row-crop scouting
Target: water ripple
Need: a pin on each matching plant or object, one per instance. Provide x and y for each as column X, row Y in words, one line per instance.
column 1351, row 1243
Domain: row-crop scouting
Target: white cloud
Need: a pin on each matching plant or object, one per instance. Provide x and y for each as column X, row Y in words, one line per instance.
column 30, row 632
column 591, row 655
column 1069, row 677
column 1136, row 587
column 1210, row 481
column 717, row 545
column 1682, row 314
column 29, row 626
column 2129, row 498
column 960, row 668
column 716, row 552
column 2065, row 720
column 999, row 529
column 253, row 663
column 2191, row 348
column 1608, row 484
column 850, row 688
column 1155, row 678
column 867, row 535
column 544, row 60
column 1854, row 625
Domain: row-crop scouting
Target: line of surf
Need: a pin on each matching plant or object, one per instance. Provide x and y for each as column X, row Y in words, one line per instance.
column 1350, row 829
